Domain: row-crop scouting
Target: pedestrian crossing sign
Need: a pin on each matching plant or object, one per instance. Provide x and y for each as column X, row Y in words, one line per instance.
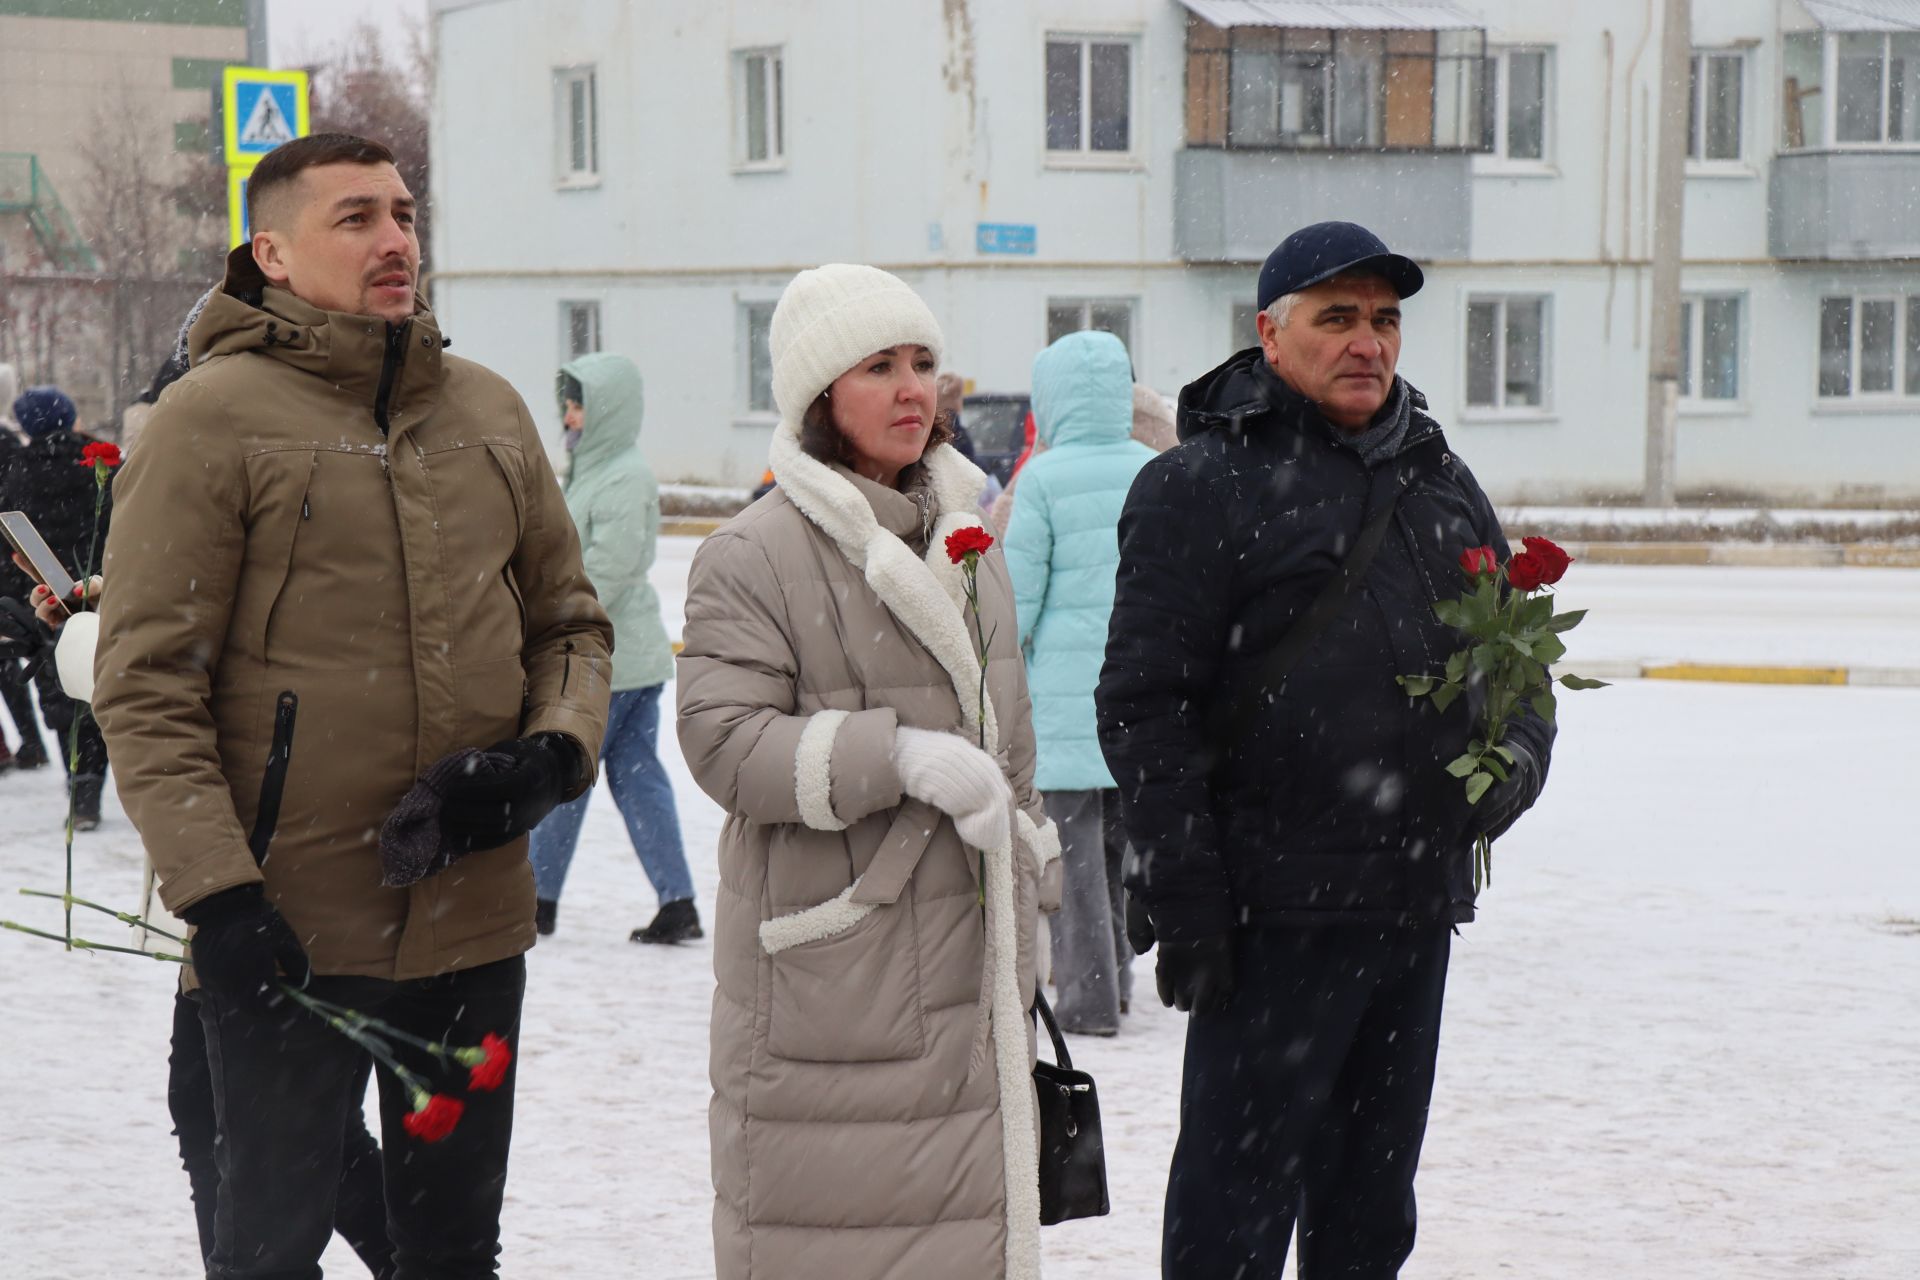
column 261, row 109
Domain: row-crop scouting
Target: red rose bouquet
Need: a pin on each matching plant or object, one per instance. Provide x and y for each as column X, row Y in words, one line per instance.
column 1508, row 615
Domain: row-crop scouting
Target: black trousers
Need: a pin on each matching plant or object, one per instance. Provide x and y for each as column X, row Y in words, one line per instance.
column 360, row 1208
column 1307, row 1098
column 19, row 700
column 68, row 718
column 282, row 1083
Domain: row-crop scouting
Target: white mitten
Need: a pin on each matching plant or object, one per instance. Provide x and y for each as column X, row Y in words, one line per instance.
column 958, row 779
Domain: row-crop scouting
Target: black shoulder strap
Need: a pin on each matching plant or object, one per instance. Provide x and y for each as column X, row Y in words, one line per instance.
column 1238, row 710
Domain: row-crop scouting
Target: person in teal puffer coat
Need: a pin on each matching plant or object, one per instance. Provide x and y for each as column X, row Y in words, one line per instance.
column 1062, row 548
column 615, row 504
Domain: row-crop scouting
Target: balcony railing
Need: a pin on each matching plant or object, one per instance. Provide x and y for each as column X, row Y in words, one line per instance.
column 24, row 188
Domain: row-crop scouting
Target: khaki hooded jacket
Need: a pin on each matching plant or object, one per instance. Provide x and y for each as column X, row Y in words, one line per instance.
column 333, row 507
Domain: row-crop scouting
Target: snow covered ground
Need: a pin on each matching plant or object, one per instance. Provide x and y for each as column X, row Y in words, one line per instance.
column 1681, row 1041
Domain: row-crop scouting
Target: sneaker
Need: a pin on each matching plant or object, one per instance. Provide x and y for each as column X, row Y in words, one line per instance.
column 546, row 914
column 31, row 755
column 677, row 922
column 86, row 804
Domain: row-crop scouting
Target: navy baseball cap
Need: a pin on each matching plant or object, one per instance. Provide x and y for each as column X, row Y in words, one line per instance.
column 1325, row 249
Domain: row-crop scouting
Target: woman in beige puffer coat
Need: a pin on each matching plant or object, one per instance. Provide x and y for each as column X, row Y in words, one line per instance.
column 880, row 873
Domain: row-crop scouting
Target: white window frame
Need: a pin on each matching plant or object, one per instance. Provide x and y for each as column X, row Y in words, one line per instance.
column 1697, row 163
column 589, row 307
column 1856, row 398
column 745, row 308
column 1083, row 157
column 1497, row 160
column 1694, row 348
column 1086, row 303
column 773, row 77
column 1502, row 411
column 566, row 175
column 1830, row 97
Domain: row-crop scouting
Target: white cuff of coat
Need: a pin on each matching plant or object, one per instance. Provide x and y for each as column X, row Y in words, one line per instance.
column 813, row 771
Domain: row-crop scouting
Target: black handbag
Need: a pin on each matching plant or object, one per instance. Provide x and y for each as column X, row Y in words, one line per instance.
column 1073, row 1159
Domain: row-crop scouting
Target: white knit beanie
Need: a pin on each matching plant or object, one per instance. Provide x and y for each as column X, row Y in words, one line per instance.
column 833, row 317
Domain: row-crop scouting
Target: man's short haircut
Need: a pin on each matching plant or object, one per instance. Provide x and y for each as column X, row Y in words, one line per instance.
column 1282, row 309
column 277, row 170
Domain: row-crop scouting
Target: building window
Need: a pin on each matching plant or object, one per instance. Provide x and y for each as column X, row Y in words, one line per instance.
column 1874, row 77
column 756, row 319
column 1869, row 347
column 579, row 329
column 1090, row 95
column 1710, row 347
column 760, row 140
column 1714, row 111
column 1508, row 343
column 576, row 115
column 1517, row 127
column 1273, row 87
column 1071, row 315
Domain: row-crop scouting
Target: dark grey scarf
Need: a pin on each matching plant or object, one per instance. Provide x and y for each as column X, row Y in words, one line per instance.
column 1382, row 438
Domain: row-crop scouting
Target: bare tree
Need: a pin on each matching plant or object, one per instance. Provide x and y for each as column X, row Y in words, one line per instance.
column 368, row 87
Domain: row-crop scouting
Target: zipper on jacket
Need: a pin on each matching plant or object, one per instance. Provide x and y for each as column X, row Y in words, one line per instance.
column 273, row 783
column 390, row 371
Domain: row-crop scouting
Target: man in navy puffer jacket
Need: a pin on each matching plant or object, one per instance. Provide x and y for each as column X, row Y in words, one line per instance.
column 1304, row 873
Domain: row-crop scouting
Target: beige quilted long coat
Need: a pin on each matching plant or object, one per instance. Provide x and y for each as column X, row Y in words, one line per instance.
column 872, row 1111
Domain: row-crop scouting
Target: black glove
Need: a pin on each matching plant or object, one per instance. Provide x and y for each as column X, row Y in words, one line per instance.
column 1196, row 975
column 22, row 635
column 243, row 949
column 1502, row 806
column 1139, row 925
column 505, row 796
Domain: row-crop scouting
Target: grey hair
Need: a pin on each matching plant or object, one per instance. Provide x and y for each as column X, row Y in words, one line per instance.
column 1280, row 310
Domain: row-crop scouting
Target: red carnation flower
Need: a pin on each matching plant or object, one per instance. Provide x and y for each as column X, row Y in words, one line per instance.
column 100, row 454
column 970, row 541
column 433, row 1116
column 490, row 1071
column 1550, row 556
column 1526, row 572
column 1475, row 561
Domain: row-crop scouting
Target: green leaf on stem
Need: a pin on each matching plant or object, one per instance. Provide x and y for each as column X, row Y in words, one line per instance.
column 1581, row 682
column 1444, row 696
column 1494, row 767
column 1477, row 786
column 1566, row 621
column 1545, row 704
column 1461, row 766
column 1457, row 667
column 1451, row 612
column 1485, row 658
column 1417, row 686
column 1549, row 648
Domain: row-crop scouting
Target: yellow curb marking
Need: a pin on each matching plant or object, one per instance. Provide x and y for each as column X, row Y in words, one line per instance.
column 1746, row 675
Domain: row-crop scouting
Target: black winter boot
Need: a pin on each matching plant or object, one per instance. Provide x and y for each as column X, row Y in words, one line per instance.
column 86, row 803
column 546, row 914
column 31, row 755
column 677, row 922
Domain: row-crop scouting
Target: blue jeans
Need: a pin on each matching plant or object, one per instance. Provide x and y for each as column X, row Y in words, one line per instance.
column 642, row 792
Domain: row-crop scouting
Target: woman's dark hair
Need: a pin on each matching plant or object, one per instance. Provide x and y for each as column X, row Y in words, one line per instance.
column 824, row 441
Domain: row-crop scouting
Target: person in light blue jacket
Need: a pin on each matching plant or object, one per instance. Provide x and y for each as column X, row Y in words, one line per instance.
column 615, row 504
column 1063, row 549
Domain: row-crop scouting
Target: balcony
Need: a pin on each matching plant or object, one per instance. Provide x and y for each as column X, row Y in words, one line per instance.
column 1844, row 205
column 1234, row 206
column 1370, row 116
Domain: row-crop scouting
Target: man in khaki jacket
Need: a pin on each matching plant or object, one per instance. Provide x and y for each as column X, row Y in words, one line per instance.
column 336, row 526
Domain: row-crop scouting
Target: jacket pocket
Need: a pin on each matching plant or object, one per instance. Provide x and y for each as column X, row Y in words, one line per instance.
column 302, row 515
column 853, row 995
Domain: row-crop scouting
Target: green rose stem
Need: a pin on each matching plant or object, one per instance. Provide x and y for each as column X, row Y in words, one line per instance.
column 356, row 1029
column 101, row 468
column 124, row 917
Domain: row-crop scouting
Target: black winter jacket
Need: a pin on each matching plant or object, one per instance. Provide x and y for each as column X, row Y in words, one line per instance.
column 44, row 478
column 1335, row 802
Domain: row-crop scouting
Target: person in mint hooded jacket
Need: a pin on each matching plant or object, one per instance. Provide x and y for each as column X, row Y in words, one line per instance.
column 1062, row 550
column 615, row 504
